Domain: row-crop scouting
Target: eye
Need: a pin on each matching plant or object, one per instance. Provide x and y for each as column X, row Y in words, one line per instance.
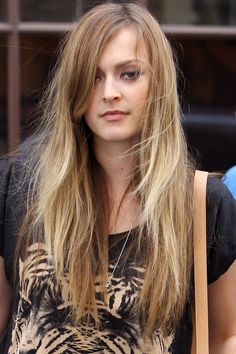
column 97, row 78
column 131, row 74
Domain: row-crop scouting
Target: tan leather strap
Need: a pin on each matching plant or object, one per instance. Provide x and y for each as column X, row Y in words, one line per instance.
column 200, row 335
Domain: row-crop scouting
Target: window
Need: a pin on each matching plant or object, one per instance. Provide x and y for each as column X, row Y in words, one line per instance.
column 38, row 54
column 194, row 12
column 208, row 66
column 50, row 10
column 203, row 33
column 3, row 10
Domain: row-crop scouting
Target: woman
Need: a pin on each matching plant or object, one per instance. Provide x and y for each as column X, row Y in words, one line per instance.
column 101, row 205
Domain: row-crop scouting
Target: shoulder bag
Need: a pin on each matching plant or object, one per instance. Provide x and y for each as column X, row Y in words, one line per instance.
column 200, row 338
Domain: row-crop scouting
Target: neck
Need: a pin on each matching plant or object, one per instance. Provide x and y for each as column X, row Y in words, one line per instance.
column 116, row 163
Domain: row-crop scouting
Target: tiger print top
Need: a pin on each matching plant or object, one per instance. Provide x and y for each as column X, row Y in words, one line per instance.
column 41, row 322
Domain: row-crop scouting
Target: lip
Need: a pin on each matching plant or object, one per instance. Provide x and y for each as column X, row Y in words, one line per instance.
column 113, row 115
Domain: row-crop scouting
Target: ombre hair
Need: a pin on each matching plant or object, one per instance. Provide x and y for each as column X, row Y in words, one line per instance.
column 68, row 197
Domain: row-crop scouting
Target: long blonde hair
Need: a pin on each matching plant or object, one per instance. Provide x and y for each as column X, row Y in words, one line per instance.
column 68, row 201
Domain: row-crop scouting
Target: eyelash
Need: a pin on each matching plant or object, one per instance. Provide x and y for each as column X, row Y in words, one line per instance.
column 97, row 79
column 129, row 75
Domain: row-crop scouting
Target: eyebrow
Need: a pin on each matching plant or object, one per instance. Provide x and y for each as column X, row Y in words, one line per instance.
column 124, row 63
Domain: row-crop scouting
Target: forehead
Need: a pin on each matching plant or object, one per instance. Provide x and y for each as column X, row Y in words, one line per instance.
column 123, row 46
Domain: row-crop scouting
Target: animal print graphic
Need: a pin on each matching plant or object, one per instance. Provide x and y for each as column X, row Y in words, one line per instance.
column 42, row 323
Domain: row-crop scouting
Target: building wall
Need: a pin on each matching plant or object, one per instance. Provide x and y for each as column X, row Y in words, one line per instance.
column 202, row 33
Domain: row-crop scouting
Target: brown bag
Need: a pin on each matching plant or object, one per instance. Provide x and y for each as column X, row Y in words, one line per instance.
column 200, row 342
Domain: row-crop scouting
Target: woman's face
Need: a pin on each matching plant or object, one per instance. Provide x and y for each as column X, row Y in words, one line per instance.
column 120, row 90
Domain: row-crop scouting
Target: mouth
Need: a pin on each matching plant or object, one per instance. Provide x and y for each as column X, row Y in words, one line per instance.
column 113, row 115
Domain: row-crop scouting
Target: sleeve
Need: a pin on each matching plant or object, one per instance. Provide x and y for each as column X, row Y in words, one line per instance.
column 4, row 182
column 221, row 228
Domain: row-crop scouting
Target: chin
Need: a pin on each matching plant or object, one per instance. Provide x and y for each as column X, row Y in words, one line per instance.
column 118, row 138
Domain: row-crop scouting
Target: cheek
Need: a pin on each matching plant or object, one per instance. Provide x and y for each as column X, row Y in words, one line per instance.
column 91, row 109
column 88, row 116
column 141, row 97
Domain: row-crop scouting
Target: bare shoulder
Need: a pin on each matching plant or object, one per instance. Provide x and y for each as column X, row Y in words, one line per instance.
column 222, row 312
column 5, row 299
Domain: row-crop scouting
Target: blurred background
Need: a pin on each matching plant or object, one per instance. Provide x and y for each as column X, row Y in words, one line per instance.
column 203, row 36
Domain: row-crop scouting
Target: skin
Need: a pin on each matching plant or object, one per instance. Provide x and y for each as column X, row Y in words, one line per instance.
column 222, row 313
column 111, row 139
column 5, row 299
column 121, row 84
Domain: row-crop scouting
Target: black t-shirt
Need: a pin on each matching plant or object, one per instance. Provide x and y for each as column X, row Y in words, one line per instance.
column 40, row 313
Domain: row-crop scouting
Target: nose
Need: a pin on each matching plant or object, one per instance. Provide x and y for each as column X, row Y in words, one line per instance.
column 111, row 90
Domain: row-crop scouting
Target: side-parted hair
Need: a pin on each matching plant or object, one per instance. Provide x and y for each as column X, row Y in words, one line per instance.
column 68, row 198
